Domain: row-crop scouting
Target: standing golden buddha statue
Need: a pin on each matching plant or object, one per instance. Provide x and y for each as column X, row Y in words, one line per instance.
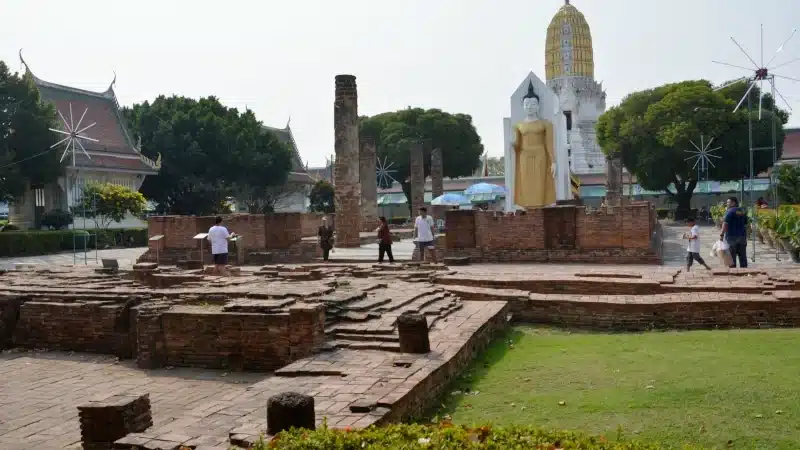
column 533, row 141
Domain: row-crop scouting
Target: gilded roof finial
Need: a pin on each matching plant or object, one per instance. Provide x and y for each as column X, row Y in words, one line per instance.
column 22, row 60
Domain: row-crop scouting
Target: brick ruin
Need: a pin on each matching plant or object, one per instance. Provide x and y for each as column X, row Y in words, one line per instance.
column 627, row 234
column 265, row 238
column 335, row 332
column 346, row 178
column 437, row 181
column 369, row 185
column 417, row 175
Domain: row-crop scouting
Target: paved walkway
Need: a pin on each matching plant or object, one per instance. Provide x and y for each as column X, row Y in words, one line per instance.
column 674, row 252
column 675, row 249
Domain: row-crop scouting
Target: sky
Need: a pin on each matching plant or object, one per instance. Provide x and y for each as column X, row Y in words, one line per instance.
column 279, row 58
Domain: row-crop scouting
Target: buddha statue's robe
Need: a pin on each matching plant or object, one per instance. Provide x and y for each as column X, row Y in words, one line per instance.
column 534, row 185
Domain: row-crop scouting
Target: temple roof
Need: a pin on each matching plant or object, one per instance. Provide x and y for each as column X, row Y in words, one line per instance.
column 568, row 50
column 298, row 173
column 114, row 149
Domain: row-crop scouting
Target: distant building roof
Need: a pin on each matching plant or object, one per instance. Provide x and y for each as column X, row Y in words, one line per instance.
column 114, row 149
column 298, row 173
column 791, row 144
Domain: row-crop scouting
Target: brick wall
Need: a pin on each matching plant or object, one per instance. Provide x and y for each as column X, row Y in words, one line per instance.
column 98, row 327
column 216, row 339
column 555, row 234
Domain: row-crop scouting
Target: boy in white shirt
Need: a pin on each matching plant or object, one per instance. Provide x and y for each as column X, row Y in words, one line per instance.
column 423, row 229
column 693, row 251
column 218, row 235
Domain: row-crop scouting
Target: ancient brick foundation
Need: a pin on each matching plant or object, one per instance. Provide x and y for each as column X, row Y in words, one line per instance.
column 346, row 178
column 556, row 234
column 104, row 422
column 265, row 238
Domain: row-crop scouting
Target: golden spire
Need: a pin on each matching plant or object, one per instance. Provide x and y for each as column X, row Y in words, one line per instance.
column 569, row 50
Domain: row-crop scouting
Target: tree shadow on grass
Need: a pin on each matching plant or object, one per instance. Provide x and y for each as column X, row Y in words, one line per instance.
column 446, row 402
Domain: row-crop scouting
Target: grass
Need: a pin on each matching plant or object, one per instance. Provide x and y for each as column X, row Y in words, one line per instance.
column 720, row 389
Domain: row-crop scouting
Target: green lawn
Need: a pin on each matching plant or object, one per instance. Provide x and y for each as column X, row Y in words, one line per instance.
column 703, row 387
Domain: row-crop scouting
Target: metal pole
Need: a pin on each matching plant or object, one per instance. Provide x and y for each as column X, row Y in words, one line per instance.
column 750, row 140
column 773, row 181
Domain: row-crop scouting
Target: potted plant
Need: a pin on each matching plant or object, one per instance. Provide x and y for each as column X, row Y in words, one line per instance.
column 788, row 225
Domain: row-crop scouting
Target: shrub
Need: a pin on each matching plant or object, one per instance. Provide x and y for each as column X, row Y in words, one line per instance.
column 446, row 437
column 662, row 213
column 30, row 243
column 10, row 227
column 56, row 219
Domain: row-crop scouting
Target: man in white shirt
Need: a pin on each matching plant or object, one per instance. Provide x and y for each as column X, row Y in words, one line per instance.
column 423, row 230
column 218, row 235
column 693, row 250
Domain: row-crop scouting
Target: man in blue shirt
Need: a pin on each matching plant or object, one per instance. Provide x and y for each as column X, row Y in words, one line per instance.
column 734, row 231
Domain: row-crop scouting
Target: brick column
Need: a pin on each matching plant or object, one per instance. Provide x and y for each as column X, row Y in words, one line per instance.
column 346, row 170
column 369, row 185
column 437, row 182
column 417, row 169
column 613, row 180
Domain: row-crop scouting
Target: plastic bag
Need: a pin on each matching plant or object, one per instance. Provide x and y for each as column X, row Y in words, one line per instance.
column 722, row 245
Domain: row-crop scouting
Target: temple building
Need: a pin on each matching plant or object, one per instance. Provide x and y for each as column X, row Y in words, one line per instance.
column 569, row 72
column 111, row 156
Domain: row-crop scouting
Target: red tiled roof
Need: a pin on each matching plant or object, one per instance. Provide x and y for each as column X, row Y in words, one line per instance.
column 791, row 144
column 111, row 161
column 99, row 109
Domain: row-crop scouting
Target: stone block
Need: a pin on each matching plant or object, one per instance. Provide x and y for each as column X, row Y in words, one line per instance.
column 417, row 169
column 456, row 260
column 145, row 267
column 190, row 264
column 104, row 422
column 290, row 409
column 413, row 331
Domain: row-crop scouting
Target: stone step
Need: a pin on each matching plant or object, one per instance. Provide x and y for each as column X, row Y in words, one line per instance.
column 370, row 302
column 433, row 320
column 365, row 337
column 383, row 346
column 401, row 301
column 361, row 329
column 423, row 302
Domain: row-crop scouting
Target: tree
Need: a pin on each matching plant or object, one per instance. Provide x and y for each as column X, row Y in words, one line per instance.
column 789, row 184
column 454, row 134
column 25, row 138
column 322, row 198
column 652, row 129
column 496, row 165
column 105, row 203
column 209, row 152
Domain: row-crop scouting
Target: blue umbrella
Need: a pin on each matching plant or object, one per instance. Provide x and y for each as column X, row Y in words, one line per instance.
column 485, row 188
column 450, row 199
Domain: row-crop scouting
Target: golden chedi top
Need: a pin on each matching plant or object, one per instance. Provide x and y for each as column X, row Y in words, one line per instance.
column 568, row 52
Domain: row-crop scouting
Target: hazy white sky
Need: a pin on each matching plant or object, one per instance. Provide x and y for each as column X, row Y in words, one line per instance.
column 279, row 58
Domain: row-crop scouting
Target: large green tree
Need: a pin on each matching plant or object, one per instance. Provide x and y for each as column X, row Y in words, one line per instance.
column 652, row 130
column 322, row 198
column 394, row 133
column 209, row 152
column 25, row 157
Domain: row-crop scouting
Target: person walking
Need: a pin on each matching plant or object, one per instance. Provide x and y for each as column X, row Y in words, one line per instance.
column 423, row 230
column 734, row 232
column 693, row 250
column 325, row 238
column 384, row 241
column 218, row 235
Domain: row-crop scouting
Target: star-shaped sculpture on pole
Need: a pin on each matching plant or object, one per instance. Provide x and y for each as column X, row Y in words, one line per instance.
column 73, row 135
column 702, row 155
column 385, row 178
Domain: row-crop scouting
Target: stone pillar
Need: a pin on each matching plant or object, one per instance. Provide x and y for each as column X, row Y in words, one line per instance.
column 413, row 331
column 417, row 170
column 346, row 171
column 21, row 212
column 437, row 182
column 369, row 185
column 614, row 180
column 288, row 410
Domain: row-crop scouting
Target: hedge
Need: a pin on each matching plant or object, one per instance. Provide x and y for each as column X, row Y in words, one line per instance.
column 31, row 243
column 447, row 437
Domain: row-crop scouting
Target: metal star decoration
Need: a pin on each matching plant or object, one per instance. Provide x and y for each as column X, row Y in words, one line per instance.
column 702, row 155
column 73, row 135
column 384, row 173
column 761, row 72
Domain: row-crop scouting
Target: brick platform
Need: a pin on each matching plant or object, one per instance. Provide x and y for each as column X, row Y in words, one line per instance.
column 624, row 235
column 105, row 421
